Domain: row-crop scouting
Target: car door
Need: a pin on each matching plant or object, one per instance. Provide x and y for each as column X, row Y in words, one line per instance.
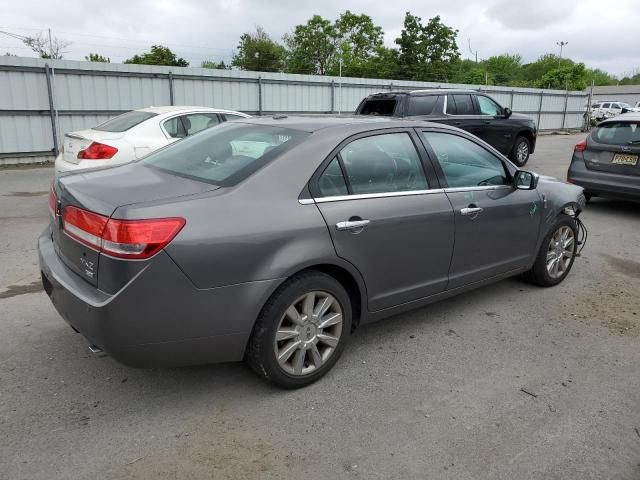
column 386, row 216
column 461, row 112
column 497, row 130
column 497, row 225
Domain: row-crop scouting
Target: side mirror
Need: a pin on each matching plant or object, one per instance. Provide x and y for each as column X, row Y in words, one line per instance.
column 507, row 112
column 524, row 180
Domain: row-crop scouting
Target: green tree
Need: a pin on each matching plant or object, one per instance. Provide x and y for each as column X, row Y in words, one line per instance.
column 600, row 77
column 312, row 46
column 159, row 55
column 533, row 72
column 573, row 77
column 427, row 52
column 504, row 69
column 631, row 79
column 359, row 43
column 213, row 64
column 96, row 57
column 257, row 52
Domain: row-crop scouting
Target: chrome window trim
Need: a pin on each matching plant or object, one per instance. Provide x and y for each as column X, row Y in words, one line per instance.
column 363, row 196
column 476, row 189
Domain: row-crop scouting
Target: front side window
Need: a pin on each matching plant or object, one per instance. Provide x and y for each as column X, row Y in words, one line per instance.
column 465, row 163
column 124, row 122
column 383, row 163
column 460, row 104
column 225, row 155
column 488, row 106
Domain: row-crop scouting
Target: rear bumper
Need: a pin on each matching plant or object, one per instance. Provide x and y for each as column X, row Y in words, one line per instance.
column 603, row 183
column 159, row 319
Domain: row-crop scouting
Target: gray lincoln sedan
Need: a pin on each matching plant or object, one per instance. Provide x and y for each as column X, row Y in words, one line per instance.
column 272, row 239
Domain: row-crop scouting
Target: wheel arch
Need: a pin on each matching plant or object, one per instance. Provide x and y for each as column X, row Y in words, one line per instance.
column 528, row 134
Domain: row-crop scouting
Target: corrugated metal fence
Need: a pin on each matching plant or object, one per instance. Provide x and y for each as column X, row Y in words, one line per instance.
column 40, row 100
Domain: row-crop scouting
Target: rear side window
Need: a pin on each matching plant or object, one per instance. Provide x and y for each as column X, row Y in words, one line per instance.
column 331, row 183
column 606, row 105
column 124, row 122
column 617, row 133
column 384, row 107
column 422, row 105
column 225, row 155
column 383, row 163
column 230, row 116
column 196, row 122
column 460, row 104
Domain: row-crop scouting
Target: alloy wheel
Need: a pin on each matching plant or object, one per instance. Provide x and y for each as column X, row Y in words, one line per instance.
column 560, row 252
column 522, row 152
column 308, row 333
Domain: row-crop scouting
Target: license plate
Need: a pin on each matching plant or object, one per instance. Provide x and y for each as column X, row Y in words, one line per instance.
column 625, row 159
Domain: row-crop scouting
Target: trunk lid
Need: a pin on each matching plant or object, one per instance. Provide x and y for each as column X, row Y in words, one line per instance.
column 102, row 191
column 614, row 147
column 75, row 141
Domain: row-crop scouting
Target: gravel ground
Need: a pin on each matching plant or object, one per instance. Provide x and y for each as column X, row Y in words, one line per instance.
column 507, row 382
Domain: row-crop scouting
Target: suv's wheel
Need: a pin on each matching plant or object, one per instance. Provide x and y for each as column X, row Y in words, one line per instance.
column 301, row 331
column 521, row 151
column 557, row 254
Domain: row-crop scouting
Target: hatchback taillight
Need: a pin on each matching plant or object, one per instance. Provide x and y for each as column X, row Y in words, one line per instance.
column 120, row 238
column 581, row 146
column 97, row 151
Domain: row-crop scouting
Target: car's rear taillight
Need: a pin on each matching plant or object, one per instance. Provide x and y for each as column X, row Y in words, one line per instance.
column 53, row 202
column 97, row 151
column 120, row 238
column 581, row 146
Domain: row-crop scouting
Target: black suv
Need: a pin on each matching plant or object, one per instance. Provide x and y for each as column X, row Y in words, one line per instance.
column 510, row 133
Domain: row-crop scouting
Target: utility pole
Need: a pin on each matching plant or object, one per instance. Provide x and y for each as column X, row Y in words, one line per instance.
column 471, row 50
column 561, row 44
column 50, row 46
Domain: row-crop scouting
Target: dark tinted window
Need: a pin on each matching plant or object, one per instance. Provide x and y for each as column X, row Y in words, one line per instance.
column 124, row 122
column 227, row 154
column 460, row 104
column 465, row 163
column 383, row 107
column 423, row 104
column 383, row 163
column 606, row 105
column 617, row 133
column 331, row 182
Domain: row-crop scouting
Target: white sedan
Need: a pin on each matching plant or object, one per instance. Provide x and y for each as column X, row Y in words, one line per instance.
column 135, row 134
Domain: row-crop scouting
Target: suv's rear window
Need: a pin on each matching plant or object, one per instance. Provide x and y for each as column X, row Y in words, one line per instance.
column 382, row 106
column 617, row 133
column 227, row 154
column 124, row 122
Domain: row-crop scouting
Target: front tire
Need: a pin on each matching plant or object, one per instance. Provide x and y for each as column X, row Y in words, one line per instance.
column 301, row 331
column 521, row 151
column 557, row 254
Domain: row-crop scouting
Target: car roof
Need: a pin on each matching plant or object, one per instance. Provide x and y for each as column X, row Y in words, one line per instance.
column 312, row 123
column 631, row 116
column 427, row 91
column 183, row 108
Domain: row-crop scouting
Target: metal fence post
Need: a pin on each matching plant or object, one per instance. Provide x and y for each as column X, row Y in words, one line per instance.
column 52, row 110
column 171, row 102
column 511, row 100
column 333, row 96
column 540, row 108
column 391, row 87
column 588, row 113
column 259, row 95
column 564, row 112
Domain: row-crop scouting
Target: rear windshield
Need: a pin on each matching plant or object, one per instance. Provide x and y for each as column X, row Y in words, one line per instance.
column 384, row 107
column 617, row 133
column 225, row 155
column 124, row 122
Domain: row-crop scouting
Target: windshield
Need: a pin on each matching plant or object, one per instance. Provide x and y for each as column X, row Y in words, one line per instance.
column 226, row 154
column 124, row 122
column 617, row 133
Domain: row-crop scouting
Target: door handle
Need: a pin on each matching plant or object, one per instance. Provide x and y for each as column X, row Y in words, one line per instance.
column 471, row 210
column 353, row 225
column 457, row 123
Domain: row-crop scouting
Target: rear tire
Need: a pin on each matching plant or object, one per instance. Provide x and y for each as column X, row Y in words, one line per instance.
column 301, row 331
column 557, row 254
column 521, row 151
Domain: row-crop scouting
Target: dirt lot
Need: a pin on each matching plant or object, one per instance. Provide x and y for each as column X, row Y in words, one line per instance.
column 438, row 393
